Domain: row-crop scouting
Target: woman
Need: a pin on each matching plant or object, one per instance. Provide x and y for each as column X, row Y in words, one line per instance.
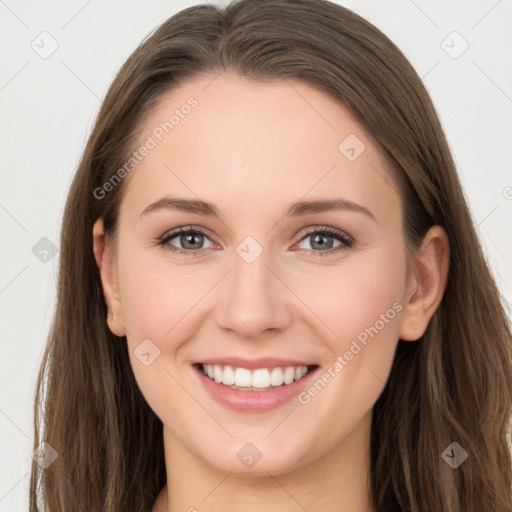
column 335, row 339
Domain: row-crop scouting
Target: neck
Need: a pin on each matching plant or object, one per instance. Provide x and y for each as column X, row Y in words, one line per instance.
column 338, row 480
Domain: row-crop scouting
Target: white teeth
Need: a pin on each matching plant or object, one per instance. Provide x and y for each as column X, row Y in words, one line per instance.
column 243, row 377
column 217, row 374
column 260, row 379
column 276, row 377
column 229, row 376
column 289, row 374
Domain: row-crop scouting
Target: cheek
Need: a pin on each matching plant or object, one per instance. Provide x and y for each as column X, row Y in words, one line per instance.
column 355, row 295
column 156, row 295
column 157, row 300
column 360, row 304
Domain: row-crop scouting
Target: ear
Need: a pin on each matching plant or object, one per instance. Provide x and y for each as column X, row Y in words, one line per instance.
column 106, row 264
column 426, row 284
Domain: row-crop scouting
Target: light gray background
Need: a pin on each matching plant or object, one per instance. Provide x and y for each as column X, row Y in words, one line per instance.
column 48, row 107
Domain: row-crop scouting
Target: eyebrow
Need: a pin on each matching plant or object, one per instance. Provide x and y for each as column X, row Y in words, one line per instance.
column 296, row 209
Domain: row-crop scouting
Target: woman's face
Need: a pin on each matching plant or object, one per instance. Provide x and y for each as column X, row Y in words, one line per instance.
column 261, row 284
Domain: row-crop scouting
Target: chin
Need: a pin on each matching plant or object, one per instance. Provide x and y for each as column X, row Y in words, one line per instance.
column 259, row 457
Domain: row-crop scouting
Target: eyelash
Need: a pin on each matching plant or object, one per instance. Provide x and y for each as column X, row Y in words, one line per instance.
column 346, row 240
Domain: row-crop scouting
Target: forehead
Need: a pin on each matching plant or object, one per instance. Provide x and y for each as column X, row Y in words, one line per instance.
column 257, row 142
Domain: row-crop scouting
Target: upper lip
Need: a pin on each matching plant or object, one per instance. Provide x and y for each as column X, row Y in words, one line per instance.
column 253, row 364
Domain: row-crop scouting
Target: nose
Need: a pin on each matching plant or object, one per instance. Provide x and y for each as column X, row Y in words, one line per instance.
column 255, row 300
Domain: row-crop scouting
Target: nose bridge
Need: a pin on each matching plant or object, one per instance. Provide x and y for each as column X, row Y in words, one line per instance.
column 251, row 277
column 254, row 299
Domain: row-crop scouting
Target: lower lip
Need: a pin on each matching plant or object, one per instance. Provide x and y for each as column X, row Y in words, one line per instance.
column 253, row 401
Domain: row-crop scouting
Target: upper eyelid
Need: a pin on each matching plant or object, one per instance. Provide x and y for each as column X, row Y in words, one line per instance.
column 320, row 229
column 172, row 233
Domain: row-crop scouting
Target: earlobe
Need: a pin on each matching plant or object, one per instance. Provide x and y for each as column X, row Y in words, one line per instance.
column 106, row 265
column 426, row 284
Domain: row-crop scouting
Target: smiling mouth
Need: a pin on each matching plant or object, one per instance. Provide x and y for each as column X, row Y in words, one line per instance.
column 261, row 379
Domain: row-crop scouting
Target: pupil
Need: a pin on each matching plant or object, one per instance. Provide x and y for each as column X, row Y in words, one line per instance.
column 322, row 246
column 190, row 238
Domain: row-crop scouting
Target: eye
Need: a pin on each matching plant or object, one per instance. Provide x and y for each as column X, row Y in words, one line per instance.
column 190, row 239
column 323, row 239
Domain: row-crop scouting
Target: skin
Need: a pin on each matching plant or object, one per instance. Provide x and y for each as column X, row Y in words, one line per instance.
column 251, row 148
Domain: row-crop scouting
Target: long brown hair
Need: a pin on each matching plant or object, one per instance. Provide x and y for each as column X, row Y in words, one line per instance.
column 452, row 385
